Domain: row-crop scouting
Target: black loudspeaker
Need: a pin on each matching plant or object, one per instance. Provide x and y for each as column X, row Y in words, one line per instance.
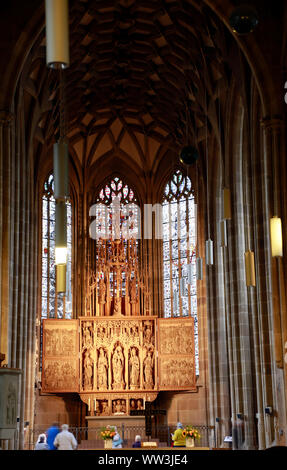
column 243, row 20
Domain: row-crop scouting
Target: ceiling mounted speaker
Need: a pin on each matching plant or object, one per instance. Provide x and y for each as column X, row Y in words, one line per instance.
column 243, row 20
column 188, row 155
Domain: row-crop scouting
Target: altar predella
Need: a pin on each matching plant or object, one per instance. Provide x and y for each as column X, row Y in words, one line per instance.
column 118, row 355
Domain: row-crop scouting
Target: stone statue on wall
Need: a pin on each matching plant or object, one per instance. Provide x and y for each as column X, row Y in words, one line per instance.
column 102, row 370
column 148, row 371
column 134, row 369
column 118, row 369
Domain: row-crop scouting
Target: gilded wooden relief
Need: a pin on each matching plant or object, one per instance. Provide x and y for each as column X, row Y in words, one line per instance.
column 113, row 362
column 118, row 354
column 60, row 368
column 176, row 354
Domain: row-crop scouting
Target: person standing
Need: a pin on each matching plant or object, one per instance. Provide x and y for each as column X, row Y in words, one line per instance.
column 117, row 440
column 51, row 434
column 137, row 442
column 41, row 443
column 65, row 440
column 178, row 436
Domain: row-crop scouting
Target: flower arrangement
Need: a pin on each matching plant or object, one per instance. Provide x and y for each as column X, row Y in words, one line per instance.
column 107, row 433
column 190, row 431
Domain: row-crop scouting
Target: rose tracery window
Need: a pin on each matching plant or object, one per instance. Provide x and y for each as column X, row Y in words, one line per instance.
column 179, row 248
column 113, row 192
column 53, row 305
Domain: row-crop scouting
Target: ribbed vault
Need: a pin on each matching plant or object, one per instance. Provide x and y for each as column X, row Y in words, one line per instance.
column 141, row 73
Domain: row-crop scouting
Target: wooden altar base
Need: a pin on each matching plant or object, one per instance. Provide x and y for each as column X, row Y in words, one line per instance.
column 133, row 424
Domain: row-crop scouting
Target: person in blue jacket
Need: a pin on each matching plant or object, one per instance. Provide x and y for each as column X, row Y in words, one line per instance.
column 117, row 440
column 51, row 434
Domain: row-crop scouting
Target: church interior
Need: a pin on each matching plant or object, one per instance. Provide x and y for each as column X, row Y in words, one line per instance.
column 171, row 114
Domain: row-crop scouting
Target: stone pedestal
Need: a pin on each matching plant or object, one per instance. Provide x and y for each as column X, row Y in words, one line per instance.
column 9, row 386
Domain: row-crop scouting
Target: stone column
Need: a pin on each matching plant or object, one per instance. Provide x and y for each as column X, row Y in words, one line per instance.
column 6, row 124
column 275, row 155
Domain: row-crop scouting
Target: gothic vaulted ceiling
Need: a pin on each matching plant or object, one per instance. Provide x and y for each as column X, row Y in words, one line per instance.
column 142, row 72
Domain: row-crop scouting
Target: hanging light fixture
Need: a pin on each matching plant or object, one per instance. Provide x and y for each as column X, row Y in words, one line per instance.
column 209, row 252
column 223, row 233
column 226, row 204
column 57, row 33
column 276, row 236
column 61, row 233
column 61, row 171
column 199, row 269
column 209, row 242
column 250, row 268
column 61, row 270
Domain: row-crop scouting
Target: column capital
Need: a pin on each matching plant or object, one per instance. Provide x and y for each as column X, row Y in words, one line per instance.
column 272, row 124
column 6, row 117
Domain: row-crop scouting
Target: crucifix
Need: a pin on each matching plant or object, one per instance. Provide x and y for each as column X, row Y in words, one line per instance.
column 148, row 413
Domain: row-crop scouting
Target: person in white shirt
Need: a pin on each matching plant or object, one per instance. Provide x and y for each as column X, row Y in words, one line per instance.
column 65, row 440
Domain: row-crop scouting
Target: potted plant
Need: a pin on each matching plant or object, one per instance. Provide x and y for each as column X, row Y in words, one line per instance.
column 190, row 433
column 107, row 434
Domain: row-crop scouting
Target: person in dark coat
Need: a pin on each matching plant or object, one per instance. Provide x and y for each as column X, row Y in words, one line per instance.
column 51, row 434
column 137, row 442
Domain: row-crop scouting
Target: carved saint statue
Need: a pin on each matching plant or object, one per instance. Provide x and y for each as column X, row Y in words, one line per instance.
column 102, row 370
column 105, row 408
column 133, row 290
column 148, row 334
column 117, row 306
column 133, row 405
column 87, row 339
column 118, row 369
column 88, row 371
column 148, row 371
column 134, row 369
column 118, row 408
column 102, row 291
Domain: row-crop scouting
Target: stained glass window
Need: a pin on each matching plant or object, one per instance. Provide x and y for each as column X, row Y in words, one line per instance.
column 53, row 305
column 179, row 248
column 128, row 220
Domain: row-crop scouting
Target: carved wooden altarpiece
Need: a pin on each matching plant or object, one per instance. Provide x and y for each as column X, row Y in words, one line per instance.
column 60, row 370
column 118, row 356
column 176, row 354
column 118, row 363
